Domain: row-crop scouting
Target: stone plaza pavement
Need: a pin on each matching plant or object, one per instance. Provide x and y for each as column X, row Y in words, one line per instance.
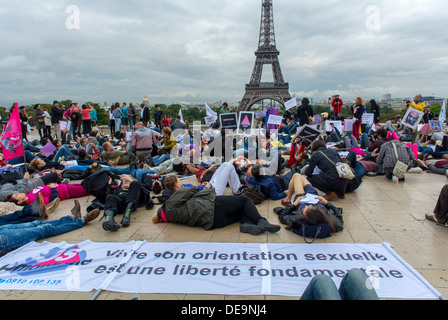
column 379, row 211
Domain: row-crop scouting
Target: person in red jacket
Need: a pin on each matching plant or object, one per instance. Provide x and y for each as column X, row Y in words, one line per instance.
column 166, row 121
column 337, row 107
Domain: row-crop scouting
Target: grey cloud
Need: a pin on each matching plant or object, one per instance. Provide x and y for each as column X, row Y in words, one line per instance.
column 205, row 49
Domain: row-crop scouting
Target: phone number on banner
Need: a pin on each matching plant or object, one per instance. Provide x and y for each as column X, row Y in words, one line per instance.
column 36, row 282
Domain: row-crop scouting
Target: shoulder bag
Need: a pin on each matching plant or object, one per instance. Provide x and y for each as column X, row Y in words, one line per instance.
column 400, row 168
column 343, row 169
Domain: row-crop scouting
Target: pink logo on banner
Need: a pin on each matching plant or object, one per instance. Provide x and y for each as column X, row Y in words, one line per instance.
column 12, row 136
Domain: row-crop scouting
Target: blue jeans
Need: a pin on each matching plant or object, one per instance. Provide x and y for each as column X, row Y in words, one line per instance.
column 13, row 236
column 353, row 287
column 117, row 125
column 120, row 171
column 28, row 156
column 357, row 167
column 159, row 159
column 62, row 152
column 140, row 172
column 23, row 216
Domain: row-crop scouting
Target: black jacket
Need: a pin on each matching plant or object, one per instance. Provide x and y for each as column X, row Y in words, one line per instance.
column 328, row 180
column 57, row 115
column 146, row 115
column 303, row 112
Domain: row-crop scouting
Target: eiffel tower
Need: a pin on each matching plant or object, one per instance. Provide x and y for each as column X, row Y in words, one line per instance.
column 267, row 54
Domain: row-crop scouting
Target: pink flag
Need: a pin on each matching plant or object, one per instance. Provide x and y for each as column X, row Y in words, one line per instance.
column 12, row 136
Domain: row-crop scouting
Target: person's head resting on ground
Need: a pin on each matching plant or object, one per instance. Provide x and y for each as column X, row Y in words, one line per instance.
column 260, row 172
column 172, row 183
column 37, row 164
column 312, row 215
column 19, row 199
column 180, row 168
column 157, row 187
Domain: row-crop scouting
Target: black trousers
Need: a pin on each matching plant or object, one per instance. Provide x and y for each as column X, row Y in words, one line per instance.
column 51, row 177
column 233, row 209
column 118, row 202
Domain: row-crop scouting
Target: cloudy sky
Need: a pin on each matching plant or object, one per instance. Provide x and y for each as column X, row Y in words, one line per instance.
column 203, row 51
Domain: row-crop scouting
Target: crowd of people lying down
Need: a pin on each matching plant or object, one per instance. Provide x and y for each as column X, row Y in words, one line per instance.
column 147, row 168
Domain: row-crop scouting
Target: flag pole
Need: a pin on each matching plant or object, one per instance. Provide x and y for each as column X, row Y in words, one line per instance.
column 21, row 139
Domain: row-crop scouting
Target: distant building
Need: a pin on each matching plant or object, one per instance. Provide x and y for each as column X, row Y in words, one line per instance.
column 146, row 101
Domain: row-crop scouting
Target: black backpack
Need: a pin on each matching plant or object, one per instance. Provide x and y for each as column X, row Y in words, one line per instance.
column 97, row 184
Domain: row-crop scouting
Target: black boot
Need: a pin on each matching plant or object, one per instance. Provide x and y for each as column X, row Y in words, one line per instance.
column 110, row 224
column 267, row 227
column 126, row 221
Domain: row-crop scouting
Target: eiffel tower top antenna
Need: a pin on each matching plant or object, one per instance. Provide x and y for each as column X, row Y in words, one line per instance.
column 267, row 54
column 267, row 30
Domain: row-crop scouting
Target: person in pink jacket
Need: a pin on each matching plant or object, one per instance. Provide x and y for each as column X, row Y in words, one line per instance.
column 50, row 193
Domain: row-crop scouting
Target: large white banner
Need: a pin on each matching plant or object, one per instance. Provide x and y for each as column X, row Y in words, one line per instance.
column 206, row 268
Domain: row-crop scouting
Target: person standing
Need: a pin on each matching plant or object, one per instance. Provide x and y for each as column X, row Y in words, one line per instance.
column 428, row 116
column 93, row 118
column 24, row 121
column 158, row 114
column 86, row 120
column 166, row 121
column 375, row 109
column 47, row 130
column 305, row 113
column 125, row 118
column 357, row 116
column 40, row 120
column 145, row 115
column 337, row 104
column 57, row 115
column 131, row 116
column 117, row 117
column 111, row 119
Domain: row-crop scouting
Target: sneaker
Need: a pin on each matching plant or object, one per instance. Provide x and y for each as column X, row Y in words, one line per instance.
column 252, row 229
column 92, row 215
column 65, row 181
